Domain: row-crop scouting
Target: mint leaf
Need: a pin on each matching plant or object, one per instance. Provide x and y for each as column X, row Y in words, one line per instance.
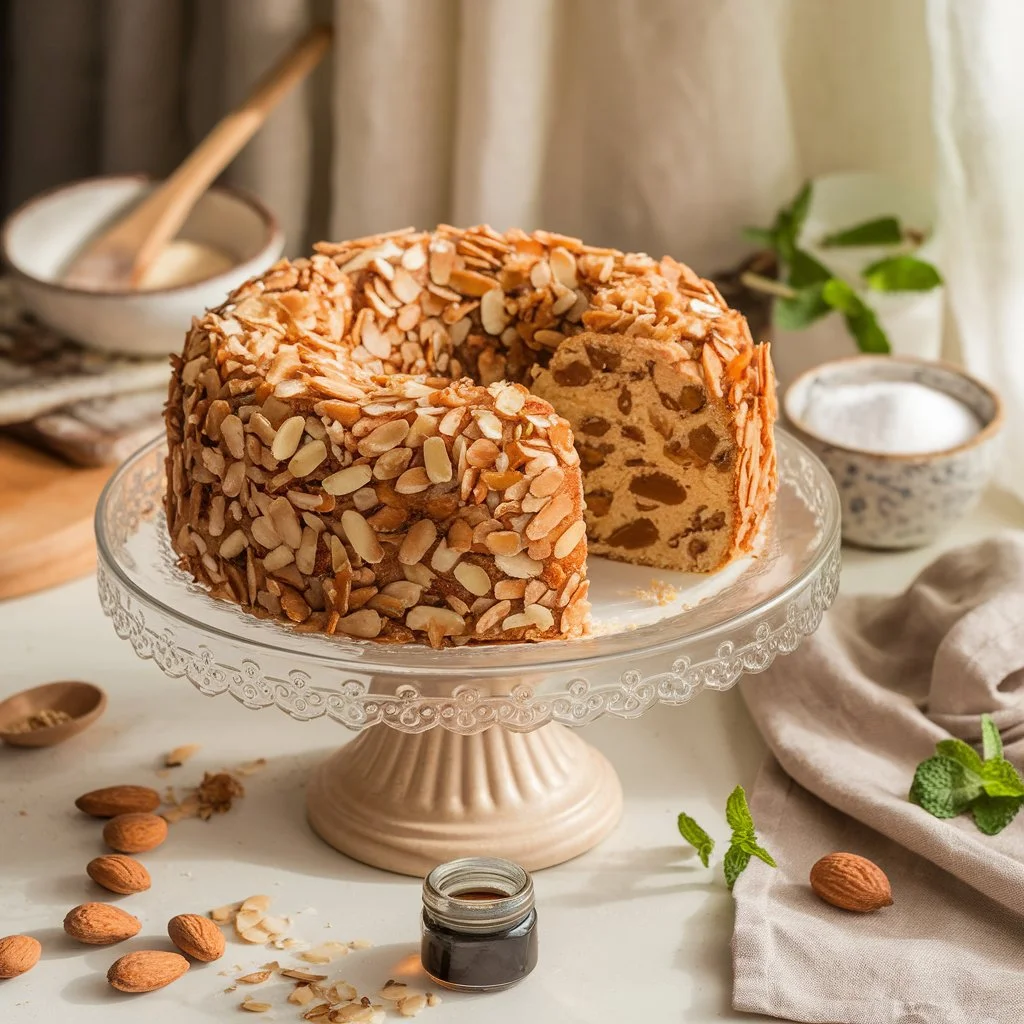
column 993, row 813
column 800, row 311
column 761, row 853
column 1000, row 778
column 737, row 813
column 944, row 787
column 839, row 295
column 735, row 862
column 962, row 752
column 798, row 210
column 789, row 223
column 991, row 741
column 881, row 231
column 804, row 269
column 762, row 236
column 902, row 274
column 860, row 320
column 696, row 837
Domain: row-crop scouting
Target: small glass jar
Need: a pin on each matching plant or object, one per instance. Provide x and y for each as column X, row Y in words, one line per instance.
column 479, row 924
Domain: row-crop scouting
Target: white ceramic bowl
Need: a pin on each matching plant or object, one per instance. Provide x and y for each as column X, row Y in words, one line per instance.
column 42, row 235
column 902, row 501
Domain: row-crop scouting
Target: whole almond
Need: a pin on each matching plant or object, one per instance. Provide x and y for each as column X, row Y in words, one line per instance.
column 851, row 883
column 119, row 873
column 134, row 833
column 114, row 800
column 197, row 936
column 18, row 954
column 146, row 971
column 100, row 924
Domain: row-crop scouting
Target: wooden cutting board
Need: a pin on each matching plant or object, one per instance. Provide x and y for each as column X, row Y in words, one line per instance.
column 46, row 511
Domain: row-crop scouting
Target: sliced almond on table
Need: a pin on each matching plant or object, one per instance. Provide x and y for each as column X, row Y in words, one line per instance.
column 179, row 755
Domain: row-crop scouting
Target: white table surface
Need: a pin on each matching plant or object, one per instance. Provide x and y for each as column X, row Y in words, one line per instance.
column 634, row 930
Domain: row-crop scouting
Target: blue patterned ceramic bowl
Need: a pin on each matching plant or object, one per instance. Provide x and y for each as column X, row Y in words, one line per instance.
column 902, row 501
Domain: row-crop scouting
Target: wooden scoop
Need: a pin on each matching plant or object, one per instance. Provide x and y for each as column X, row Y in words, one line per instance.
column 120, row 256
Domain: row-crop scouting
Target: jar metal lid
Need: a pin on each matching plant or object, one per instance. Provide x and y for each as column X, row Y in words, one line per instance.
column 511, row 884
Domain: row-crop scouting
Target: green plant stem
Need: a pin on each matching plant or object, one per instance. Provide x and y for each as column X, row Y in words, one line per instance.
column 766, row 285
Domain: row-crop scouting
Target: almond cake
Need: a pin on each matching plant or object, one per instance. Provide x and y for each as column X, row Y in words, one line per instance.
column 417, row 436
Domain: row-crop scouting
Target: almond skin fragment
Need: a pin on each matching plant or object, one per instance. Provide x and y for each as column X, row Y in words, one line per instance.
column 146, row 971
column 118, row 873
column 18, row 954
column 100, row 924
column 134, row 833
column 197, row 936
column 115, row 800
column 851, row 883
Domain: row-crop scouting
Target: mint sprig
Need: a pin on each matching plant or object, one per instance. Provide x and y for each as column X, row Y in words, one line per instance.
column 806, row 290
column 696, row 837
column 743, row 844
column 958, row 779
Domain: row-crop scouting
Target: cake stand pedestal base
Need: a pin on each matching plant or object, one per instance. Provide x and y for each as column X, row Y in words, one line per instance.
column 407, row 802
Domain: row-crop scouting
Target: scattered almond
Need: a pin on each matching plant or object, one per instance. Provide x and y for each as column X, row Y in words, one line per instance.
column 179, row 755
column 197, row 936
column 115, row 800
column 225, row 914
column 299, row 975
column 119, row 873
column 18, row 954
column 256, row 978
column 411, row 1005
column 100, row 924
column 301, row 995
column 851, row 882
column 253, row 1006
column 146, row 971
column 324, row 953
column 135, row 832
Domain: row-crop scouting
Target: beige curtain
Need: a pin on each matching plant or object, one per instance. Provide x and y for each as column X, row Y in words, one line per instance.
column 659, row 125
column 652, row 124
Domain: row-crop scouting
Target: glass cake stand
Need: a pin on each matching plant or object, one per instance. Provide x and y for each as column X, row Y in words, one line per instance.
column 473, row 750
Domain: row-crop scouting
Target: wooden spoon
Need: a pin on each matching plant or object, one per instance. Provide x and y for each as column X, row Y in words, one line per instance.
column 120, row 256
column 83, row 702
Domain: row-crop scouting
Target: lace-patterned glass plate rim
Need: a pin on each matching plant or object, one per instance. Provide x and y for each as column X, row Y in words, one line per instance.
column 798, row 566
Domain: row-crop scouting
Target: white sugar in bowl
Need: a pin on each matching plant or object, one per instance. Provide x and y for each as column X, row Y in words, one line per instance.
column 41, row 237
column 911, row 443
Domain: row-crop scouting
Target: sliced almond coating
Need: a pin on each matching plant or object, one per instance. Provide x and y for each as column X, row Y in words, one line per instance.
column 418, row 541
column 473, row 578
column 261, row 903
column 324, row 953
column 287, row 439
column 360, row 944
column 568, row 542
column 394, row 990
column 437, row 463
column 307, row 458
column 433, row 999
column 318, row 1012
column 361, row 536
column 347, row 480
column 519, row 566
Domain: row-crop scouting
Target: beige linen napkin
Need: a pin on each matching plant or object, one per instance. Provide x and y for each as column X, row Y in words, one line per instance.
column 847, row 718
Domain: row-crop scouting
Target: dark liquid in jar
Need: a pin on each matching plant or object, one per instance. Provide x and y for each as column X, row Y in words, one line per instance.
column 463, row 960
